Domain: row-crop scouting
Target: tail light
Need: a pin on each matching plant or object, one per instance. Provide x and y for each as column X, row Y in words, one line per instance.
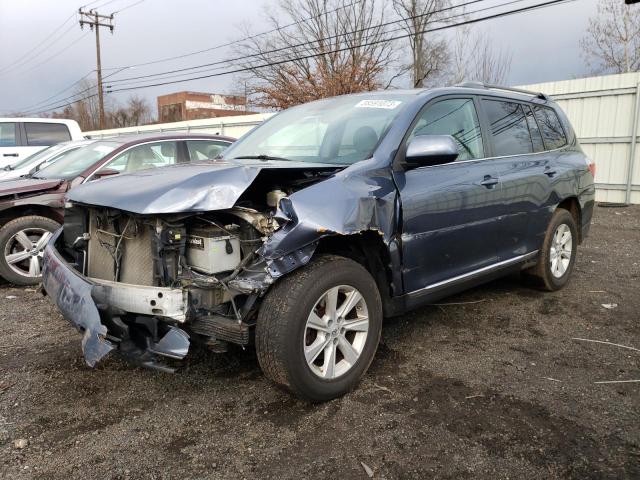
column 591, row 165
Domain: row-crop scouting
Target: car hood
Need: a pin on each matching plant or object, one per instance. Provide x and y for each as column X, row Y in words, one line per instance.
column 180, row 189
column 27, row 185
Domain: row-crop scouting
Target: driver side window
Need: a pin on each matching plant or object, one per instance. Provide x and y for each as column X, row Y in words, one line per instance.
column 456, row 117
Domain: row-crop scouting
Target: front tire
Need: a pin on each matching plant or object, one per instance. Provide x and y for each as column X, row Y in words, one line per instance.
column 318, row 329
column 558, row 252
column 22, row 243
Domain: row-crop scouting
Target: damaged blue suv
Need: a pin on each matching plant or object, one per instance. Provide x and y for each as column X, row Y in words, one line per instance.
column 309, row 230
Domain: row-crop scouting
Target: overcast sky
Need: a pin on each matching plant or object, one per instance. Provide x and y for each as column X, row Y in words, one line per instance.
column 544, row 43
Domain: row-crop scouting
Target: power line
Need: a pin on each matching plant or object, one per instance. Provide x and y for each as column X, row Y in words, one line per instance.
column 280, row 62
column 38, row 108
column 99, row 6
column 28, row 58
column 128, row 7
column 95, row 21
column 165, row 75
column 39, row 44
column 239, row 70
column 51, row 57
column 276, row 50
column 120, row 69
column 41, row 102
column 228, row 44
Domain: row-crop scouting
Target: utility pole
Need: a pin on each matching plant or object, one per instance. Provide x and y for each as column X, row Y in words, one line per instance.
column 95, row 21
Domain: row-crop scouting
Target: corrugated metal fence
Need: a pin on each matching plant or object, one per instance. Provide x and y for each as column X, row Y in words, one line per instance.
column 605, row 112
column 235, row 126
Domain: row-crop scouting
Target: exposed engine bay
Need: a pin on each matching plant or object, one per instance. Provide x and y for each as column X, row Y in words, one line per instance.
column 159, row 278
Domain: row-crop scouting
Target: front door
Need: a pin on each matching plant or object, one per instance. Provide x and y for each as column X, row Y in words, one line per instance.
column 450, row 212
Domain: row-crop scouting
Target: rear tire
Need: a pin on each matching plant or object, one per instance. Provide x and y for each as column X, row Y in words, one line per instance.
column 558, row 253
column 22, row 242
column 317, row 351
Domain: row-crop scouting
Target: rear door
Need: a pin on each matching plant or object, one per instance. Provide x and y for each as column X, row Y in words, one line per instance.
column 450, row 212
column 516, row 146
column 39, row 135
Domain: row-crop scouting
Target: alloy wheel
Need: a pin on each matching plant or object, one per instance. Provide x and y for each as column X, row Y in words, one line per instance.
column 561, row 250
column 336, row 332
column 24, row 250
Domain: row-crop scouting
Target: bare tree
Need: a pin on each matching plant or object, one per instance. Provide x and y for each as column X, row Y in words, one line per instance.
column 323, row 54
column 87, row 111
column 136, row 111
column 612, row 42
column 474, row 57
column 139, row 110
column 429, row 53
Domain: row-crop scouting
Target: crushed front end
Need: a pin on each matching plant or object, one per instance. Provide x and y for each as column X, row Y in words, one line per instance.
column 146, row 286
column 186, row 255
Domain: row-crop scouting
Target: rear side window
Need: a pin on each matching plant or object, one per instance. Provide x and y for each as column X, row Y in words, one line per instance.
column 456, row 117
column 536, row 137
column 7, row 134
column 45, row 134
column 205, row 149
column 552, row 131
column 508, row 126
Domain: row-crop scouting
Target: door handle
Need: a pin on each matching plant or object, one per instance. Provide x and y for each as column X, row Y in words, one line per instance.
column 489, row 181
column 549, row 172
column 9, row 154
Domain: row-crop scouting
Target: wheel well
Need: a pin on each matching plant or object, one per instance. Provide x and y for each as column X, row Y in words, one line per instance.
column 22, row 211
column 572, row 205
column 369, row 250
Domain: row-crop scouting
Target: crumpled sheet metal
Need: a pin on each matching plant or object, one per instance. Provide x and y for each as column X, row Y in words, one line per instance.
column 179, row 189
column 346, row 204
column 73, row 297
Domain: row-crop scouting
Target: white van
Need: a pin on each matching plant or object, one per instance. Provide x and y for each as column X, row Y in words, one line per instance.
column 21, row 137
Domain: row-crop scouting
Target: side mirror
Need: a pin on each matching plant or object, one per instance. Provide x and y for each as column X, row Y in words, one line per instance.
column 105, row 172
column 429, row 150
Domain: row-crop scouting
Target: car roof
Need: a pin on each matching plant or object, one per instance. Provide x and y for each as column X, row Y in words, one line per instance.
column 38, row 120
column 491, row 92
column 150, row 137
column 469, row 88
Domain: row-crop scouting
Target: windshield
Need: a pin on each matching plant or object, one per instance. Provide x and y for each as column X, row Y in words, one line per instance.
column 39, row 156
column 72, row 165
column 341, row 130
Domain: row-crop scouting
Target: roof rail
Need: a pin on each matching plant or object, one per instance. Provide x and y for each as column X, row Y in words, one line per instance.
column 498, row 87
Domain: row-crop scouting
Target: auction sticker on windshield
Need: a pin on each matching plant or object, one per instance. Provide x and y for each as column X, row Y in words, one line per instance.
column 386, row 104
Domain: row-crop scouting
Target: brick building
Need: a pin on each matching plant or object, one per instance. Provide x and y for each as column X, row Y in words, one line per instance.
column 179, row 106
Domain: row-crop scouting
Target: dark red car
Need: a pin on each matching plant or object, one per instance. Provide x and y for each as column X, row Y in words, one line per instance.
column 31, row 209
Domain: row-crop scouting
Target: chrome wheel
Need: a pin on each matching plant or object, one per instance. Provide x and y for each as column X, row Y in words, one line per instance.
column 336, row 332
column 23, row 252
column 561, row 249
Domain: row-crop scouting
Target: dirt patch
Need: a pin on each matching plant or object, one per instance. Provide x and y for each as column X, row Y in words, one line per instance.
column 495, row 389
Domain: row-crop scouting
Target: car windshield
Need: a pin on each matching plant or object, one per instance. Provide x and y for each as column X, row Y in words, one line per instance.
column 39, row 156
column 77, row 161
column 341, row 130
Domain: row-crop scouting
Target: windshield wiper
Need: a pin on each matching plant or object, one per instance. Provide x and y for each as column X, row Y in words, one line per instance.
column 261, row 157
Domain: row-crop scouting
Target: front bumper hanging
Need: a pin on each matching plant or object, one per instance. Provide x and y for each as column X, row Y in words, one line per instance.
column 78, row 298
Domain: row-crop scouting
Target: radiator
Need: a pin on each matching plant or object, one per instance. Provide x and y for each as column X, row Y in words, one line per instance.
column 136, row 264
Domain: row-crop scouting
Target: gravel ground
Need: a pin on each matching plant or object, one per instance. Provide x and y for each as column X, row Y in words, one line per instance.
column 492, row 389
